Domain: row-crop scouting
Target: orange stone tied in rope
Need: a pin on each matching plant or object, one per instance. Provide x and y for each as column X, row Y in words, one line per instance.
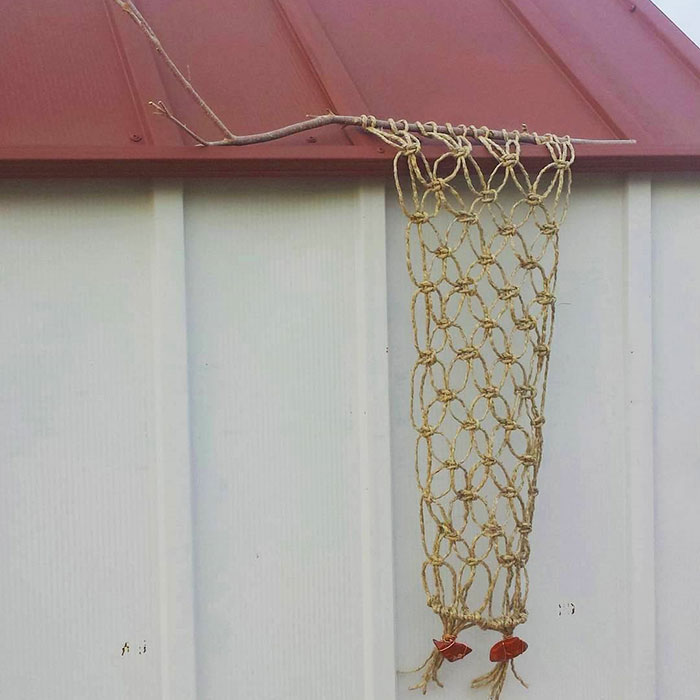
column 450, row 648
column 507, row 648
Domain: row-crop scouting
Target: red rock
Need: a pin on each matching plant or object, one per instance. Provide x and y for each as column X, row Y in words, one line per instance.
column 507, row 648
column 450, row 648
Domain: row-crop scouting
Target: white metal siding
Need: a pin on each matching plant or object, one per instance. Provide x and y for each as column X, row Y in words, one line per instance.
column 676, row 326
column 278, row 280
column 201, row 388
column 79, row 542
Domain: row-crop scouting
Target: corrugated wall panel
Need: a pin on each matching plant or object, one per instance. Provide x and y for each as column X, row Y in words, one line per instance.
column 277, row 276
column 79, row 577
column 676, row 324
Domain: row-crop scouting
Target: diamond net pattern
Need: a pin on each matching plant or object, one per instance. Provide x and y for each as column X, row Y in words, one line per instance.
column 482, row 252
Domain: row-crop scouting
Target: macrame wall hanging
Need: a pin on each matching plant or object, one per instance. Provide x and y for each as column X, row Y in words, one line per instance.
column 482, row 253
column 482, row 247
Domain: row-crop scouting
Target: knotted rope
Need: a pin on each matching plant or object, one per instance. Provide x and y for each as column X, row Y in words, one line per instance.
column 481, row 250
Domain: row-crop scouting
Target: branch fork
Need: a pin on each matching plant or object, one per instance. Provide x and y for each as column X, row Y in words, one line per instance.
column 312, row 122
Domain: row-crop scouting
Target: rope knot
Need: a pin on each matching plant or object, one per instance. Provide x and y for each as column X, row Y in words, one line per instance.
column 549, row 229
column 419, row 217
column 508, row 624
column 367, row 120
column 469, row 352
column 529, row 263
column 427, row 357
column 466, row 285
column 396, row 129
column 507, row 358
column 508, row 292
column 466, row 217
column 426, row 431
column 527, row 459
column 471, row 424
column 534, row 199
column 472, row 561
column 542, row 349
column 488, row 196
column 526, row 391
column 561, row 164
column 451, row 464
column 446, row 395
column 461, row 152
column 467, row 495
column 488, row 392
column 436, row 185
column 509, row 160
column 509, row 492
column 444, row 322
column 524, row 528
column 508, row 423
column 449, row 532
column 537, row 421
column 492, row 529
column 507, row 230
column 443, row 252
column 507, row 560
column 421, row 127
column 544, row 298
column 486, row 258
column 488, row 324
column 427, row 286
column 527, row 323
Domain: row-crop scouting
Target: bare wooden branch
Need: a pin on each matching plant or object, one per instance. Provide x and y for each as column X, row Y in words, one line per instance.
column 161, row 109
column 133, row 12
column 326, row 119
column 230, row 139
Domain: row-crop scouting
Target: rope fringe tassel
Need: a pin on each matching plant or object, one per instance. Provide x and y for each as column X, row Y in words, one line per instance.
column 495, row 679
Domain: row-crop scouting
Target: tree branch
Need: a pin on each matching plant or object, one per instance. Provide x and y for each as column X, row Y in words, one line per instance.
column 134, row 13
column 162, row 110
column 326, row 119
column 230, row 139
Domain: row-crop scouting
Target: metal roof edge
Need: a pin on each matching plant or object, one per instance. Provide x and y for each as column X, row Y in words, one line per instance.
column 355, row 161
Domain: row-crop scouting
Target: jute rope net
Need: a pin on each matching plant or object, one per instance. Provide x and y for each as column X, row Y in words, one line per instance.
column 482, row 253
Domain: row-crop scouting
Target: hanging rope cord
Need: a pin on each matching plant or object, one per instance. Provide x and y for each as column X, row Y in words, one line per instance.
column 482, row 250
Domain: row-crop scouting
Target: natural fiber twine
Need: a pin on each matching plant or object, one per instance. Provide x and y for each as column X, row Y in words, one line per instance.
column 482, row 250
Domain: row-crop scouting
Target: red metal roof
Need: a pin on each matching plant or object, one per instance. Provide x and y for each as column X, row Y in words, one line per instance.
column 76, row 77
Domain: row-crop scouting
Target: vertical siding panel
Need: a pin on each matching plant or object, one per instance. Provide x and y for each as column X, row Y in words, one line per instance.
column 373, row 435
column 79, row 538
column 282, row 378
column 676, row 322
column 172, row 444
column 639, row 432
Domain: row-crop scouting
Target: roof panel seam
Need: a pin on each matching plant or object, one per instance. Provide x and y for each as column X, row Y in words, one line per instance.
column 615, row 114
